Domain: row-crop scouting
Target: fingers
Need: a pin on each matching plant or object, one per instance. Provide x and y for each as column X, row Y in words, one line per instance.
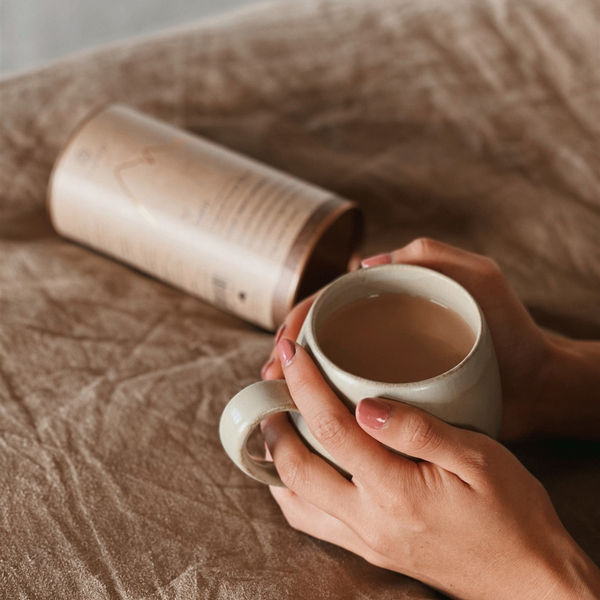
column 416, row 433
column 305, row 473
column 291, row 329
column 436, row 255
column 465, row 267
column 307, row 518
column 480, row 275
column 332, row 424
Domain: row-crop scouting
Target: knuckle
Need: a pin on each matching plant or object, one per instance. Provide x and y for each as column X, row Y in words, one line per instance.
column 329, row 429
column 419, row 433
column 490, row 270
column 290, row 518
column 376, row 559
column 424, row 246
column 293, row 519
column 479, row 459
column 283, row 496
column 292, row 472
column 377, row 540
column 481, row 456
column 291, row 513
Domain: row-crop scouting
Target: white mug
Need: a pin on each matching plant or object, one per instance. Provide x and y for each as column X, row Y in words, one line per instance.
column 468, row 395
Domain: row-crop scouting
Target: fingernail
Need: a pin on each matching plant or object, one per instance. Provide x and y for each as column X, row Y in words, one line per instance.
column 287, row 351
column 279, row 332
column 266, row 367
column 380, row 259
column 373, row 413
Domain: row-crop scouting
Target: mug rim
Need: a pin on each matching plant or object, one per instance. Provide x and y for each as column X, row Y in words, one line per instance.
column 313, row 342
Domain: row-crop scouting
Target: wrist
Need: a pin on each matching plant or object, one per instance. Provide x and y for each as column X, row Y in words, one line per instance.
column 568, row 574
column 557, row 570
column 568, row 382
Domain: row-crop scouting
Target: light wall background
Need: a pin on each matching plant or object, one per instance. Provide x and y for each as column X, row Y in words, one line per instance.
column 35, row 32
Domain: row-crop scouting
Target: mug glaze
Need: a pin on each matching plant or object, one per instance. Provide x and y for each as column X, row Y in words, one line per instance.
column 468, row 395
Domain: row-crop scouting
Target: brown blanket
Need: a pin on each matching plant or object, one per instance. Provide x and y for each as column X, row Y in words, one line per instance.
column 476, row 122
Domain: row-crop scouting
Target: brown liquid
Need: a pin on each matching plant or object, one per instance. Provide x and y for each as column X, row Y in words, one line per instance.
column 395, row 338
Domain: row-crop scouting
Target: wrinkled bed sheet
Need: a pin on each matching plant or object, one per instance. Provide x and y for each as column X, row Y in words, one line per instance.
column 476, row 122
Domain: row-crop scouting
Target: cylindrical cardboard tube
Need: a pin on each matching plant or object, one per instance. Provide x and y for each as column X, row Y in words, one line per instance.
column 241, row 235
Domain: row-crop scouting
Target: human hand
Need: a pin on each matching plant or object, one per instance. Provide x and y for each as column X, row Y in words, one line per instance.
column 521, row 346
column 468, row 519
column 539, row 372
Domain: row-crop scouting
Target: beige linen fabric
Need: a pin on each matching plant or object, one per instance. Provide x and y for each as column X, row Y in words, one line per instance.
column 473, row 121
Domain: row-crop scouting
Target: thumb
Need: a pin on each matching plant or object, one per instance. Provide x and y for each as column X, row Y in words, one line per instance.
column 419, row 434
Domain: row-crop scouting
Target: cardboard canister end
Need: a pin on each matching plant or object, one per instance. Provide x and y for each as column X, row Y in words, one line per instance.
column 328, row 246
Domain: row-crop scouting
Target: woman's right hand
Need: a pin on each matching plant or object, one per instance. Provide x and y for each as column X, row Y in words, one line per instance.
column 467, row 519
column 548, row 383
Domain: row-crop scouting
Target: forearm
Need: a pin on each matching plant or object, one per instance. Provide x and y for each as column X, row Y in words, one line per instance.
column 569, row 404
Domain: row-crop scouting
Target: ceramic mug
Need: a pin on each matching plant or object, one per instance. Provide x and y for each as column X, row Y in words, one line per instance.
column 468, row 395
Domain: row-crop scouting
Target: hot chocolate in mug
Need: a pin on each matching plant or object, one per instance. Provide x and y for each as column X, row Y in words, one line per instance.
column 468, row 395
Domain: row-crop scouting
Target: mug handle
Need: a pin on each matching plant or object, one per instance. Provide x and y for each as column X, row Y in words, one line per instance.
column 243, row 415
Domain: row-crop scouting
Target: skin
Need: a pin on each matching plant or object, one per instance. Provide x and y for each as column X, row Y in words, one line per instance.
column 461, row 519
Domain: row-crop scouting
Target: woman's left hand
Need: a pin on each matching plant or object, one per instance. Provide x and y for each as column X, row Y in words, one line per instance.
column 468, row 519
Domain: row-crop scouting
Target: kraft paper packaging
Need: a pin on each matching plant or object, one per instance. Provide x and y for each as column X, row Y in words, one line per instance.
column 241, row 235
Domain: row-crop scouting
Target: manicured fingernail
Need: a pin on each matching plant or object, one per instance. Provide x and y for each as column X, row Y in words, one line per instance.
column 279, row 332
column 287, row 351
column 266, row 367
column 380, row 259
column 373, row 413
